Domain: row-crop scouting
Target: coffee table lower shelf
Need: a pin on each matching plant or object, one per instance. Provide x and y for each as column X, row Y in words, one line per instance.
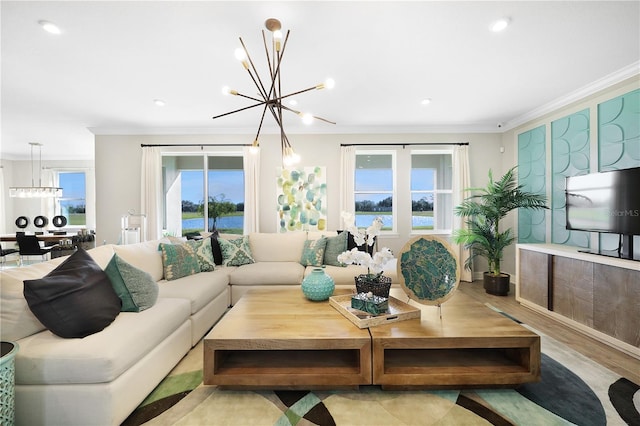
column 291, row 369
column 455, row 367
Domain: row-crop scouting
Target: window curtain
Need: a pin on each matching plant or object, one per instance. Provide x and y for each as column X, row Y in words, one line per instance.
column 251, row 163
column 3, row 207
column 347, row 181
column 151, row 193
column 461, row 181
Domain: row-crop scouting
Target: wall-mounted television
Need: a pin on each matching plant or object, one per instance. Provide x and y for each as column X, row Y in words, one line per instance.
column 606, row 202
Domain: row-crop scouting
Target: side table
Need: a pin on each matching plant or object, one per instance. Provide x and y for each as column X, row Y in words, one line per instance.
column 8, row 351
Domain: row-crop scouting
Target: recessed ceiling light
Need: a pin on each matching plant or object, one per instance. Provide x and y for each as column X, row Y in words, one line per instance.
column 293, row 102
column 159, row 102
column 49, row 27
column 426, row 101
column 500, row 25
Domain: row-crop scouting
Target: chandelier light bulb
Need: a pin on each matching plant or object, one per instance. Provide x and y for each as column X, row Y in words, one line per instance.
column 226, row 90
column 307, row 118
column 329, row 83
column 277, row 38
column 241, row 55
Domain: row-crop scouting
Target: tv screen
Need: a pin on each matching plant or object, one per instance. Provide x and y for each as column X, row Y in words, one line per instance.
column 604, row 202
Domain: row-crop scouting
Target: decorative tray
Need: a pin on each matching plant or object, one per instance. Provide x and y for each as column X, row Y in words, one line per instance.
column 398, row 311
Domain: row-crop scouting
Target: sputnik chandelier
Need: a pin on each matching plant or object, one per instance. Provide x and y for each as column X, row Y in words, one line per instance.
column 272, row 98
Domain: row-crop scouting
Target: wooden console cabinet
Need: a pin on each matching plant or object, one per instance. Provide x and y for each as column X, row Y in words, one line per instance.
column 597, row 295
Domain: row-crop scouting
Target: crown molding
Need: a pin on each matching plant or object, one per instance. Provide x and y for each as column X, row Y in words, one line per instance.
column 588, row 90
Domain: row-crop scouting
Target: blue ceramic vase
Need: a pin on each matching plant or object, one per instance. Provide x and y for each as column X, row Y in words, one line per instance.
column 318, row 285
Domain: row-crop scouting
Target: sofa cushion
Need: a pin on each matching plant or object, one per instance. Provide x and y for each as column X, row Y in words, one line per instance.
column 204, row 255
column 199, row 289
column 267, row 273
column 313, row 252
column 143, row 256
column 101, row 357
column 276, row 247
column 16, row 319
column 335, row 246
column 236, row 252
column 178, row 260
column 102, row 254
column 76, row 299
column 135, row 287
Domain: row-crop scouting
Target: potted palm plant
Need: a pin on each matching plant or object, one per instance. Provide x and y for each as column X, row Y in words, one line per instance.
column 484, row 209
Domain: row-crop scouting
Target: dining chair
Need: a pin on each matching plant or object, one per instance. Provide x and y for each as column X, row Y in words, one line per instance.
column 4, row 253
column 29, row 245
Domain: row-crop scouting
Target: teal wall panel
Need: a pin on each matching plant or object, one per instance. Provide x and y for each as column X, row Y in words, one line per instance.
column 618, row 143
column 619, row 132
column 532, row 176
column 570, row 155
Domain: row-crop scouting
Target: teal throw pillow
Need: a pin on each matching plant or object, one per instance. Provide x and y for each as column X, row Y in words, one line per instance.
column 135, row 287
column 178, row 260
column 236, row 252
column 204, row 254
column 313, row 252
column 335, row 246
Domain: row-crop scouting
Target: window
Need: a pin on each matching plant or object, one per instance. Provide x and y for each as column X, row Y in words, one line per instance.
column 431, row 191
column 375, row 188
column 187, row 209
column 72, row 204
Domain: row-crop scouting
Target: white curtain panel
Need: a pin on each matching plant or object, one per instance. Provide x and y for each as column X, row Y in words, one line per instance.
column 347, row 179
column 151, row 192
column 251, row 163
column 461, row 181
column 3, row 207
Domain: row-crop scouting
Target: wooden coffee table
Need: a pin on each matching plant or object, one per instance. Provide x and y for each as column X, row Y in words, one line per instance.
column 277, row 339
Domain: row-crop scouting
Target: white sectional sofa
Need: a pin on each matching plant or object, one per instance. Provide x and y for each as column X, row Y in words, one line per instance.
column 100, row 379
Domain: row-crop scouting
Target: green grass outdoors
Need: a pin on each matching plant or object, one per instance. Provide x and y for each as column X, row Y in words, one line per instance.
column 77, row 219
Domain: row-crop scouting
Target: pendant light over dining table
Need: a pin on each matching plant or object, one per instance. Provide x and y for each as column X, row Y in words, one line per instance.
column 34, row 191
column 271, row 97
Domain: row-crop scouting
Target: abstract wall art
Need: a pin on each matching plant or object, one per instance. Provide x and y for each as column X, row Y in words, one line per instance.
column 301, row 199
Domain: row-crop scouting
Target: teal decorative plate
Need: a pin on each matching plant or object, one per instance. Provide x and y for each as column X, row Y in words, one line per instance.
column 429, row 268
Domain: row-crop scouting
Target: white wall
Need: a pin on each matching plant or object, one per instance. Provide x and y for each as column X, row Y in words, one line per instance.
column 118, row 163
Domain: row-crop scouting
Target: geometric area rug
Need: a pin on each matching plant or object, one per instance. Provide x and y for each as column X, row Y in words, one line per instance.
column 574, row 390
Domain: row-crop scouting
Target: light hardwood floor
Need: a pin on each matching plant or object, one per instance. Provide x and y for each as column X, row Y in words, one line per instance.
column 614, row 360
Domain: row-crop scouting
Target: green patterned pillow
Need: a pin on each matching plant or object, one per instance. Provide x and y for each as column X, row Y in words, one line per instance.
column 335, row 246
column 204, row 254
column 178, row 260
column 236, row 252
column 313, row 252
column 135, row 287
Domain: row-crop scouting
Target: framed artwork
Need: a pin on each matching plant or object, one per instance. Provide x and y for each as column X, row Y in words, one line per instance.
column 302, row 199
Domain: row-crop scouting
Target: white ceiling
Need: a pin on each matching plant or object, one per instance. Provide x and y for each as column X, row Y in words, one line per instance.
column 114, row 58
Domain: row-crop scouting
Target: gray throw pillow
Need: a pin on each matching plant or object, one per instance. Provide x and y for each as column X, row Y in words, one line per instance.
column 335, row 246
column 135, row 287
